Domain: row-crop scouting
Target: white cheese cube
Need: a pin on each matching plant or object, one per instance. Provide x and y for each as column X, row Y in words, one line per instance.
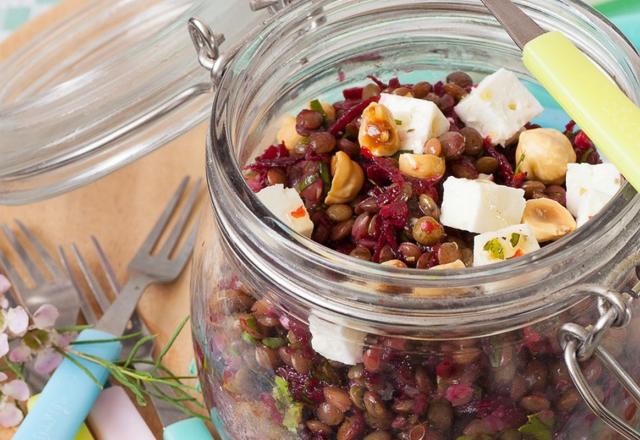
column 496, row 246
column 418, row 120
column 288, row 207
column 336, row 342
column 589, row 188
column 480, row 205
column 499, row 107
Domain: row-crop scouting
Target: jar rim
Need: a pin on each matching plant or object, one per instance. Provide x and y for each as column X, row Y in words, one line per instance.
column 622, row 209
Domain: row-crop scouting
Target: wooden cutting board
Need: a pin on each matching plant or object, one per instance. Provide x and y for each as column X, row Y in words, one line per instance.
column 119, row 210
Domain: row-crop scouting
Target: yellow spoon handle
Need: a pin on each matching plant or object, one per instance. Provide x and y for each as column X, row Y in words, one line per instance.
column 590, row 97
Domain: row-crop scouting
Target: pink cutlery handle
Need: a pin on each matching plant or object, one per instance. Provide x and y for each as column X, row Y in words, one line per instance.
column 115, row 417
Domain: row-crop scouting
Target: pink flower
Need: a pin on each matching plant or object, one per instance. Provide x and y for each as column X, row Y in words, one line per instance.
column 17, row 321
column 45, row 317
column 47, row 361
column 4, row 344
column 19, row 354
column 10, row 415
column 17, row 389
column 5, row 285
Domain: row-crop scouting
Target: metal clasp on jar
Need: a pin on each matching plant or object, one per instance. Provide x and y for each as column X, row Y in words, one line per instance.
column 273, row 5
column 581, row 343
column 207, row 45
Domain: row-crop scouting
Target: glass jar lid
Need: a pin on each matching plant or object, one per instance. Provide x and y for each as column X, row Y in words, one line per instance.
column 103, row 87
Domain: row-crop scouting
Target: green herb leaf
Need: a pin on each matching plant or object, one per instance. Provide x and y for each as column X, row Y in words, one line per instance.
column 246, row 337
column 304, row 140
column 585, row 156
column 274, row 342
column 84, row 369
column 515, row 239
column 536, row 429
column 304, row 184
column 134, row 350
column 519, row 164
column 316, row 106
column 495, row 249
column 398, row 121
column 169, row 344
column 102, row 341
column 291, row 410
column 293, row 417
column 324, row 175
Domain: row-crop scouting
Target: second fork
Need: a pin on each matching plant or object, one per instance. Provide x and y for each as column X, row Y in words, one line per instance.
column 70, row 393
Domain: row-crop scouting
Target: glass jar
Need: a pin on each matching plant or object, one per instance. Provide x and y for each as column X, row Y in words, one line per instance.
column 295, row 340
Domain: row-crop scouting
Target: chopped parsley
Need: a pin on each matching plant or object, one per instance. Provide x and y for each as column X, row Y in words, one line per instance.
column 519, row 164
column 398, row 121
column 324, row 174
column 246, row 337
column 291, row 410
column 536, row 429
column 495, row 249
column 306, row 182
column 515, row 239
column 317, row 107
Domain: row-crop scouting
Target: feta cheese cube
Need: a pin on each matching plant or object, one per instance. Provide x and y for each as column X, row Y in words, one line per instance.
column 418, row 120
column 335, row 341
column 496, row 246
column 288, row 207
column 480, row 205
column 589, row 188
column 499, row 107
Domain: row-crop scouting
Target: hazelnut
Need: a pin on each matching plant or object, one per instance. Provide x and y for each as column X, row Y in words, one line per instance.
column 548, row 219
column 422, row 166
column 458, row 264
column 378, row 131
column 287, row 133
column 394, row 263
column 543, row 153
column 348, row 179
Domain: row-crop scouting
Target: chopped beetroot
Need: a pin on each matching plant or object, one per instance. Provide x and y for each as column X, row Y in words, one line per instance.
column 383, row 171
column 378, row 82
column 505, row 170
column 303, row 388
column 459, row 394
column 445, row 368
column 276, row 156
column 352, row 93
column 394, row 83
column 582, row 141
column 438, row 88
column 341, row 76
column 570, row 127
column 350, row 115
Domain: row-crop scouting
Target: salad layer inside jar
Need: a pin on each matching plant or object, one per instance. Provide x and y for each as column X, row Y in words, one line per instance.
column 429, row 176
column 432, row 176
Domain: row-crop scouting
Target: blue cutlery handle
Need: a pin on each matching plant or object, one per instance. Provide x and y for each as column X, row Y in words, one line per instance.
column 69, row 395
column 191, row 429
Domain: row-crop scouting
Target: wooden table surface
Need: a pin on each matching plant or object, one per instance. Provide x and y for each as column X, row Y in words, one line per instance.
column 119, row 210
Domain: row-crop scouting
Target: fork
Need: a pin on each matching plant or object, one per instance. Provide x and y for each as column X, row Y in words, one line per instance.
column 70, row 393
column 113, row 416
column 176, row 425
column 53, row 288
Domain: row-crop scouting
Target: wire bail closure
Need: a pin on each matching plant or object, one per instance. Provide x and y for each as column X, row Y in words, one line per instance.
column 581, row 343
column 207, row 45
